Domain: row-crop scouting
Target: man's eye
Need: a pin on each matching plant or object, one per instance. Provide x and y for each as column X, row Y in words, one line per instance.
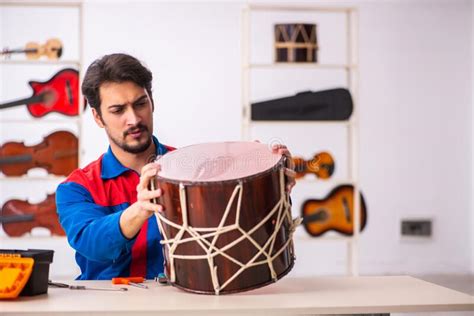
column 140, row 104
column 116, row 110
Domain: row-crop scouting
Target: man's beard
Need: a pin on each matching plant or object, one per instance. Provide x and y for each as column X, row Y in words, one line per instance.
column 136, row 149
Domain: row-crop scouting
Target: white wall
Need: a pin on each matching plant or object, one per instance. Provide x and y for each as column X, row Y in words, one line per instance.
column 415, row 111
column 194, row 52
column 415, row 99
column 472, row 138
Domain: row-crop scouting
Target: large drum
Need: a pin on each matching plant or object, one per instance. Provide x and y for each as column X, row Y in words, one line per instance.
column 226, row 224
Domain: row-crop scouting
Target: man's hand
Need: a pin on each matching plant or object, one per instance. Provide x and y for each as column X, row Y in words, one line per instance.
column 290, row 166
column 145, row 194
column 135, row 215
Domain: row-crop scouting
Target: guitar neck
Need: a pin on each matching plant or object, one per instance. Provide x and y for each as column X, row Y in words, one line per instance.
column 34, row 99
column 17, row 218
column 19, row 51
column 15, row 159
column 321, row 215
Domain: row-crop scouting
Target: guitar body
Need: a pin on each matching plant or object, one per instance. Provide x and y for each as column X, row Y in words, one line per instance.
column 322, row 165
column 61, row 94
column 57, row 153
column 53, row 49
column 44, row 215
column 21, row 166
column 334, row 212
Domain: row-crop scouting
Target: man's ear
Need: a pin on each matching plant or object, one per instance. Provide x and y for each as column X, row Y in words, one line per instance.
column 98, row 118
column 152, row 102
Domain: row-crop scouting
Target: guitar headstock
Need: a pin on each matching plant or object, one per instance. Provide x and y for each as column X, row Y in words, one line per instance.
column 6, row 53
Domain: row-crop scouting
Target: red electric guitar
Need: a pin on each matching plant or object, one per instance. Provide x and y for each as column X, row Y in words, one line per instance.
column 58, row 94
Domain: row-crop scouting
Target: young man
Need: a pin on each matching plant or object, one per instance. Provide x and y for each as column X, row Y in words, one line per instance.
column 105, row 207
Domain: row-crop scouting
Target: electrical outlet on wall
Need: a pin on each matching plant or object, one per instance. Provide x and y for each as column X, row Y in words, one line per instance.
column 420, row 227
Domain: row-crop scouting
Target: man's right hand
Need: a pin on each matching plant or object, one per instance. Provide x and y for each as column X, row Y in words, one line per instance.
column 136, row 214
column 144, row 193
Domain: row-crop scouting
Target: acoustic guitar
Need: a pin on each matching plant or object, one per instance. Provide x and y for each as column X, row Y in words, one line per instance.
column 59, row 94
column 52, row 49
column 334, row 212
column 19, row 217
column 57, row 153
column 322, row 165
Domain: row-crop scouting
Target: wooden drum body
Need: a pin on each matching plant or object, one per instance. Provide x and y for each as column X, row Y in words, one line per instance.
column 226, row 224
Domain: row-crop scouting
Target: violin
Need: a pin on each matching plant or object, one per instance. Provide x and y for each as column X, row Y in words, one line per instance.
column 57, row 153
column 42, row 214
column 58, row 94
column 52, row 49
column 322, row 165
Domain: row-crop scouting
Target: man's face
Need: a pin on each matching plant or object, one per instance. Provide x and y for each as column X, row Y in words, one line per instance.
column 126, row 115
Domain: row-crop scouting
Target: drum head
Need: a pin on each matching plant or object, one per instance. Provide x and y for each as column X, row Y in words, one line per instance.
column 209, row 162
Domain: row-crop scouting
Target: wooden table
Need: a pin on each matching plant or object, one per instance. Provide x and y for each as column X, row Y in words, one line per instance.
column 317, row 295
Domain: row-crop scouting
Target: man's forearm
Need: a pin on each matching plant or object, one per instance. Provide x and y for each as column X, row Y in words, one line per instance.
column 131, row 221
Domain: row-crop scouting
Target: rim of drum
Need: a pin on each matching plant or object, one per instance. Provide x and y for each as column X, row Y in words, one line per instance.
column 279, row 164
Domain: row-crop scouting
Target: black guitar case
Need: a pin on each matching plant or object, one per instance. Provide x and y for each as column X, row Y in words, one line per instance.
column 325, row 105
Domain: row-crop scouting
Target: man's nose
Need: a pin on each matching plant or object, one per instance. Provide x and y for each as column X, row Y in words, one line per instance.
column 132, row 117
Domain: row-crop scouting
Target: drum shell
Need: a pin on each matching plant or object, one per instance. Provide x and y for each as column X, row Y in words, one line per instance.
column 206, row 203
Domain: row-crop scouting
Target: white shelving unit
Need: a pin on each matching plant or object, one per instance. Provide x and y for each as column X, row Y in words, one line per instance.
column 75, row 121
column 350, row 67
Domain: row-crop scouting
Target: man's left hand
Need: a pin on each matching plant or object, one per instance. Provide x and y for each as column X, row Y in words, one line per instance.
column 290, row 166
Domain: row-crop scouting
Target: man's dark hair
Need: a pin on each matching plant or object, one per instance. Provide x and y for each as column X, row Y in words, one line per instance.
column 114, row 68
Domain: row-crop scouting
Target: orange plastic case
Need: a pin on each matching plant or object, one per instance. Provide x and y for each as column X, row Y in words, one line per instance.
column 14, row 274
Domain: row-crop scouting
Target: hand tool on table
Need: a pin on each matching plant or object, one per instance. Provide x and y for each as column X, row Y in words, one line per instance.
column 83, row 287
column 162, row 279
column 135, row 281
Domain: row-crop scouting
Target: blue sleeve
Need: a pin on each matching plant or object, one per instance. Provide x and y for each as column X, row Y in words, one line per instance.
column 92, row 230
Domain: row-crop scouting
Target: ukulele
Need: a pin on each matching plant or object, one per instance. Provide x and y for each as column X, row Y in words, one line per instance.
column 322, row 165
column 334, row 212
column 57, row 153
column 42, row 214
column 52, row 49
column 58, row 94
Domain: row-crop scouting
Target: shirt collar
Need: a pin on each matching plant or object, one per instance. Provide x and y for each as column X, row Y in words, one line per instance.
column 112, row 168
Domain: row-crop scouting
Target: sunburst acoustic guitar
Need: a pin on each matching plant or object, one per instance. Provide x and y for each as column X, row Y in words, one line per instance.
column 322, row 165
column 334, row 212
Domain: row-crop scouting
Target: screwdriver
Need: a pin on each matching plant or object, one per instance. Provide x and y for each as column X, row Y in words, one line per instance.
column 135, row 281
column 82, row 287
